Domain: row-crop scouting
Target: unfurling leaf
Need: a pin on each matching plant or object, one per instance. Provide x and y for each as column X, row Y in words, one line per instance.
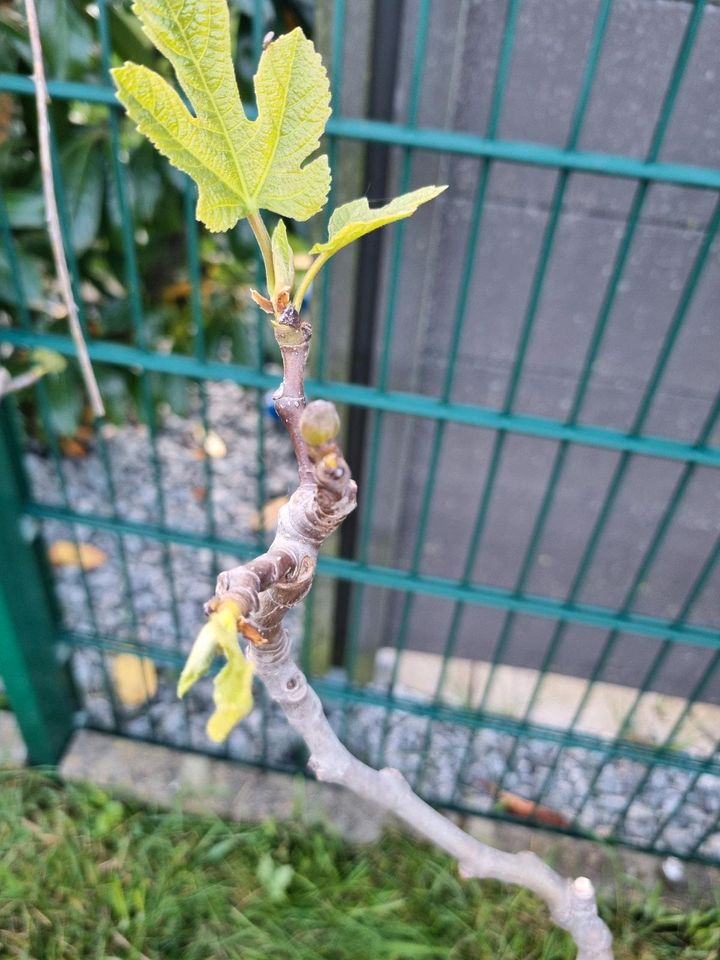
column 240, row 165
column 355, row 219
column 232, row 695
column 200, row 658
column 232, row 692
column 282, row 261
column 135, row 679
column 219, row 635
column 65, row 553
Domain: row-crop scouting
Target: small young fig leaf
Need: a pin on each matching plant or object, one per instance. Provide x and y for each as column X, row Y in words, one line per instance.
column 219, row 635
column 232, row 695
column 283, row 261
column 200, row 658
column 353, row 220
column 239, row 165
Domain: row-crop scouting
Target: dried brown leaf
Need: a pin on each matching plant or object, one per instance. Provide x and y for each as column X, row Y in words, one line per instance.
column 135, row 679
column 66, row 553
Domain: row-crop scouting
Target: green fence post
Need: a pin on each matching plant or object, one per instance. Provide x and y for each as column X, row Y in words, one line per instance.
column 39, row 687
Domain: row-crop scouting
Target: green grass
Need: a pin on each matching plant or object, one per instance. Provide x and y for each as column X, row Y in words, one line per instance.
column 84, row 875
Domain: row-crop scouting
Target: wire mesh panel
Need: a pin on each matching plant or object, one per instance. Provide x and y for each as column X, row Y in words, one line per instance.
column 532, row 624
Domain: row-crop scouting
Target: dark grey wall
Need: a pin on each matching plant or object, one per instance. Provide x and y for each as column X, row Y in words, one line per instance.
column 547, row 62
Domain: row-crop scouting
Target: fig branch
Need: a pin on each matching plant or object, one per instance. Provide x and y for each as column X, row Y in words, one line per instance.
column 242, row 166
column 260, row 593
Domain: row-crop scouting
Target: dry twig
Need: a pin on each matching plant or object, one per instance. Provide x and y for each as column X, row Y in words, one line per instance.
column 51, row 212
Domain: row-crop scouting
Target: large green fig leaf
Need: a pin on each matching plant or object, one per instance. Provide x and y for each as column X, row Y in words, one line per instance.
column 239, row 165
column 353, row 220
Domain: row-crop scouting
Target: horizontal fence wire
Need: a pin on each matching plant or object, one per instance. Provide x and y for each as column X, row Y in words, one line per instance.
column 472, row 757
column 441, row 141
column 389, row 401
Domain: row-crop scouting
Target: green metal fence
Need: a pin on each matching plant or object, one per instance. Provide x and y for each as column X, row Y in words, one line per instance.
column 60, row 668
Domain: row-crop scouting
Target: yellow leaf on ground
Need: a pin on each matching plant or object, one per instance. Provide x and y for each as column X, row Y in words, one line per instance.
column 214, row 445
column 66, row 553
column 135, row 679
column 269, row 515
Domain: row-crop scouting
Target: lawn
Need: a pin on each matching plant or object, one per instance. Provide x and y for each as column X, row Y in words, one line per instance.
column 89, row 876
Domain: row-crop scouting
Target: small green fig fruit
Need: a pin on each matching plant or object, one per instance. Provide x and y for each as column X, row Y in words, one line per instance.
column 319, row 423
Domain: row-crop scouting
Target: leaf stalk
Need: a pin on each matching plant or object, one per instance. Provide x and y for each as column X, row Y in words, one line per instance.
column 310, row 274
column 257, row 225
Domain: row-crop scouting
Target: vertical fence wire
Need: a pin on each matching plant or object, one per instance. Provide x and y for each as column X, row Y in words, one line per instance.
column 321, row 315
column 663, row 526
column 43, row 402
column 472, row 243
column 132, row 278
column 258, row 26
column 600, row 329
column 371, row 481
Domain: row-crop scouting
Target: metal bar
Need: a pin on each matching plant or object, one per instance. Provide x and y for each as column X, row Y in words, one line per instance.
column 132, row 276
column 408, row 404
column 385, row 46
column 335, row 690
column 500, row 85
column 596, row 340
column 37, row 682
column 379, row 576
column 439, row 802
column 336, row 76
column 544, row 257
column 45, row 409
column 444, row 141
column 370, row 481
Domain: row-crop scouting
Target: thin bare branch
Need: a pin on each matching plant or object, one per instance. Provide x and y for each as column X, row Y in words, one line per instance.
column 572, row 903
column 10, row 384
column 51, row 212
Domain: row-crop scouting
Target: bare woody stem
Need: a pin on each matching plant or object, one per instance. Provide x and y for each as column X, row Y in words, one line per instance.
column 52, row 216
column 10, row 384
column 267, row 587
column 293, row 338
